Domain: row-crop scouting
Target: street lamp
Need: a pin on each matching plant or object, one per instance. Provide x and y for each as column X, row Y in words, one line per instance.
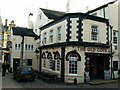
column 37, row 55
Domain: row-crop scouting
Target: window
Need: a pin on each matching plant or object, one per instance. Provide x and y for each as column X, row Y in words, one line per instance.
column 26, row 46
column 59, row 34
column 15, row 46
column 44, row 63
column 73, row 63
column 58, row 65
column 52, row 64
column 115, row 37
column 115, row 47
column 29, row 62
column 45, row 38
column 31, row 47
column 18, row 46
column 51, row 36
column 94, row 33
column 115, row 65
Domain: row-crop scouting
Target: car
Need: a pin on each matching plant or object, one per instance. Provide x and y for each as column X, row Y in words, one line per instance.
column 24, row 72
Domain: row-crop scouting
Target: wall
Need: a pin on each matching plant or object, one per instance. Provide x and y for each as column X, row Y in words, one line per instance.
column 26, row 54
column 87, row 31
column 63, row 25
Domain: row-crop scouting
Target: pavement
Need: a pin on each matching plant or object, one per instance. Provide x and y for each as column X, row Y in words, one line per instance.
column 98, row 82
column 9, row 82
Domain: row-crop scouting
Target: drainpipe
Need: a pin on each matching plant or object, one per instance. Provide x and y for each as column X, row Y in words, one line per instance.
column 111, row 56
column 22, row 49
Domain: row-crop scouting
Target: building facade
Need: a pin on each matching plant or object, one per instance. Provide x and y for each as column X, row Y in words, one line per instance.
column 23, row 47
column 76, row 47
column 111, row 11
column 1, row 36
column 12, row 46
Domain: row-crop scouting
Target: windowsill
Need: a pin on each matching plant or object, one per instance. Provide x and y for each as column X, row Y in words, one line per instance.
column 72, row 75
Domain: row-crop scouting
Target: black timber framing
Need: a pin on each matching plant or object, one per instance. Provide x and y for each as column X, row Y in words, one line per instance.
column 74, row 15
column 62, row 64
column 75, row 43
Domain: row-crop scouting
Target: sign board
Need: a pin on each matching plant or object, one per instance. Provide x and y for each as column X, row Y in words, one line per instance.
column 87, row 77
column 107, row 74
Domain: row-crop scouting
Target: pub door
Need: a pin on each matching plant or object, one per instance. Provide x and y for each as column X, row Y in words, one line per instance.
column 97, row 67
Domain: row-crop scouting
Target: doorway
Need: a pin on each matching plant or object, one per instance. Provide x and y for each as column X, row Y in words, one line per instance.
column 98, row 63
column 16, row 63
column 97, row 67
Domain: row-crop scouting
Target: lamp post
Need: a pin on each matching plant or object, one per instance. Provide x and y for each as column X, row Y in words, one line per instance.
column 37, row 55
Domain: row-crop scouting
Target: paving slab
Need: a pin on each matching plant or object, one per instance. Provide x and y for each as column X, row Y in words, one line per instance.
column 97, row 82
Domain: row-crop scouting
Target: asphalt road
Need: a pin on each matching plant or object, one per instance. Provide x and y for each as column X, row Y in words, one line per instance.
column 9, row 82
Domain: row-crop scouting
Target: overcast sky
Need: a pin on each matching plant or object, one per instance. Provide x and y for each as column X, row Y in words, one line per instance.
column 18, row 10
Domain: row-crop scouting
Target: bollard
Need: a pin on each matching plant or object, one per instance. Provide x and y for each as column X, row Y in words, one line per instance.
column 75, row 81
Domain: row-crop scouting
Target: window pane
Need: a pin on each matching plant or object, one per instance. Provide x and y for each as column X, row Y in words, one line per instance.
column 15, row 46
column 73, row 63
column 115, row 37
column 29, row 62
column 94, row 33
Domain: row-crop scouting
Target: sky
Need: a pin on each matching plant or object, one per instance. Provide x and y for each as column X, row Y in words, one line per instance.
column 18, row 10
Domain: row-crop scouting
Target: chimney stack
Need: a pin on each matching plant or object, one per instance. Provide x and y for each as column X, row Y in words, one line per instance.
column 30, row 21
column 68, row 6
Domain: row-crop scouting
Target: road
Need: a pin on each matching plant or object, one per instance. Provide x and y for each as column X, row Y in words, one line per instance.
column 9, row 82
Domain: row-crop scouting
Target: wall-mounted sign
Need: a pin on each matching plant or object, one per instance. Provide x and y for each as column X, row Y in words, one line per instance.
column 107, row 74
column 92, row 49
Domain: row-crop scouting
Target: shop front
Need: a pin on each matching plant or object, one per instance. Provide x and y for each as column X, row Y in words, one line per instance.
column 86, row 63
column 97, row 64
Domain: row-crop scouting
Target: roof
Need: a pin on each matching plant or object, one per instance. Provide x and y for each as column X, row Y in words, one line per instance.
column 21, row 31
column 81, row 15
column 52, row 14
column 103, row 6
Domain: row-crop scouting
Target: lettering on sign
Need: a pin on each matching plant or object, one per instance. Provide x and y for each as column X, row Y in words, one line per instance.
column 91, row 49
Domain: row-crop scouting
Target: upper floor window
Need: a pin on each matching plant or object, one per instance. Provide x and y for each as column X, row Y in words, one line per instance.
column 26, row 47
column 31, row 47
column 45, row 38
column 15, row 46
column 59, row 34
column 115, row 37
column 94, row 33
column 18, row 46
column 51, row 36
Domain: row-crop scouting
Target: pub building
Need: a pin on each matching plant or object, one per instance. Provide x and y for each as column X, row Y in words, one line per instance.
column 76, row 47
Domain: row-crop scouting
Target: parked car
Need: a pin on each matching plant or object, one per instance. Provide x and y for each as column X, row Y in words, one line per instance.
column 24, row 72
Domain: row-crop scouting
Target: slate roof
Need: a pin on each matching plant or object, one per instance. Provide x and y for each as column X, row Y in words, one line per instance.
column 103, row 6
column 52, row 14
column 21, row 31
